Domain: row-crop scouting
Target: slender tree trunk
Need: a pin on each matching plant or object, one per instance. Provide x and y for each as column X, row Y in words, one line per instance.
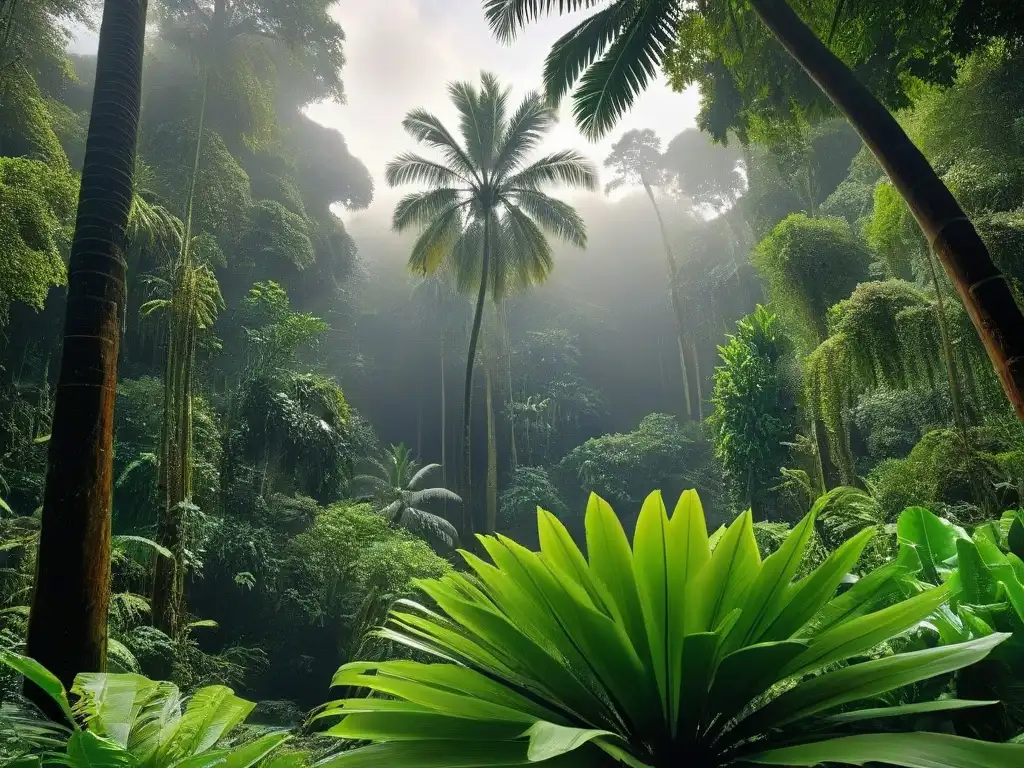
column 444, row 428
column 984, row 290
column 67, row 630
column 492, row 459
column 176, row 462
column 696, row 378
column 511, row 398
column 466, row 534
column 677, row 309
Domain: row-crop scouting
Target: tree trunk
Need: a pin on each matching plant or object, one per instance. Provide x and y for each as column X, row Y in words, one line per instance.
column 444, row 428
column 466, row 534
column 67, row 630
column 983, row 289
column 491, row 519
column 696, row 378
column 677, row 309
column 176, row 462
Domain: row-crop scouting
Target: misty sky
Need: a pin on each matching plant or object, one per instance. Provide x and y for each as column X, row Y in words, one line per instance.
column 402, row 53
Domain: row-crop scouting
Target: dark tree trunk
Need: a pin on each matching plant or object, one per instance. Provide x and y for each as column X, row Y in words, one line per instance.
column 466, row 534
column 983, row 289
column 67, row 629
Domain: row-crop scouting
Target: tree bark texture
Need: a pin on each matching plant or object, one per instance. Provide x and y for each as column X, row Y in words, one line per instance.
column 67, row 629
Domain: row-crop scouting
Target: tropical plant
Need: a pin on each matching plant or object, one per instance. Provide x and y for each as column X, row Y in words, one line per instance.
column 67, row 627
column 614, row 53
column 395, row 482
column 484, row 215
column 129, row 721
column 986, row 576
column 754, row 414
column 684, row 644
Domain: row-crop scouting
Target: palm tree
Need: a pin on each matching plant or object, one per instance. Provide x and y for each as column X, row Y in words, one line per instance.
column 484, row 214
column 394, row 483
column 67, row 629
column 615, row 52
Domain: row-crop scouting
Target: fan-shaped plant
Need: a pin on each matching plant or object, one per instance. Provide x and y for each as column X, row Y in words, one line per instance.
column 683, row 646
column 395, row 484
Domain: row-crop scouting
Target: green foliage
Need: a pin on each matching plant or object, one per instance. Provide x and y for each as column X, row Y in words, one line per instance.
column 641, row 652
column 37, row 203
column 891, row 421
column 940, row 472
column 986, row 577
column 754, row 412
column 27, row 126
column 275, row 333
column 809, row 265
column 129, row 721
column 350, row 551
column 274, row 235
column 527, row 489
column 660, row 451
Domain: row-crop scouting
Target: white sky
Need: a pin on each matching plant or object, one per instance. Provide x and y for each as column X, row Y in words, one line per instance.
column 401, row 54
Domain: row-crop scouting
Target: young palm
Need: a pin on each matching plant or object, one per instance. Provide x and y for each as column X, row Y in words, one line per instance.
column 484, row 215
column 615, row 52
column 394, row 484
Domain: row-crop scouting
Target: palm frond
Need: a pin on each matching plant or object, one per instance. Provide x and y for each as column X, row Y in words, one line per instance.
column 410, row 168
column 607, row 89
column 150, row 223
column 552, row 215
column 522, row 255
column 507, row 17
column 566, row 167
column 420, row 209
column 430, row 131
column 429, row 524
column 370, row 485
column 392, row 511
column 465, row 260
column 421, row 475
column 481, row 118
column 526, row 128
column 416, row 498
column 581, row 46
column 436, row 242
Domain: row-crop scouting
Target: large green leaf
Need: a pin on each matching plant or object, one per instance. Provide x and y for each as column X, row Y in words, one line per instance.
column 548, row 740
column 87, row 750
column 933, row 538
column 723, row 582
column 42, row 677
column 909, row 750
column 210, row 714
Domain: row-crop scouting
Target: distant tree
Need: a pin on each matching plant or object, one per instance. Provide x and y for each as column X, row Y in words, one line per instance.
column 636, row 159
column 613, row 54
column 707, row 173
column 395, row 484
column 484, row 216
column 67, row 629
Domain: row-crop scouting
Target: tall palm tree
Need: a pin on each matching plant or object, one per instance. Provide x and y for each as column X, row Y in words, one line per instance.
column 394, row 484
column 67, row 629
column 615, row 52
column 484, row 214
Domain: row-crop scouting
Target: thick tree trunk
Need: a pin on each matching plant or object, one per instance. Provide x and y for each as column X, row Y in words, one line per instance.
column 491, row 520
column 983, row 289
column 466, row 534
column 67, row 629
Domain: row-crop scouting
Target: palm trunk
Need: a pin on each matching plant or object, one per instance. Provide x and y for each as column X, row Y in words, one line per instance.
column 677, row 309
column 67, row 630
column 444, row 428
column 696, row 378
column 466, row 534
column 983, row 289
column 492, row 460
